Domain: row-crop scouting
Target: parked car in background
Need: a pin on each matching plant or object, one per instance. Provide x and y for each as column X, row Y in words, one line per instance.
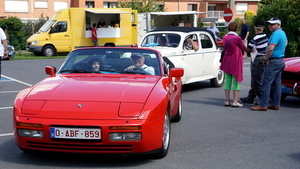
column 11, row 52
column 199, row 65
column 291, row 77
column 113, row 110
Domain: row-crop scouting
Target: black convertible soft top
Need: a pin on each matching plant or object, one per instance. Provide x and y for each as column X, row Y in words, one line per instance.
column 184, row 29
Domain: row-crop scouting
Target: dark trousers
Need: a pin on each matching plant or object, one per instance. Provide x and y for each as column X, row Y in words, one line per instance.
column 257, row 72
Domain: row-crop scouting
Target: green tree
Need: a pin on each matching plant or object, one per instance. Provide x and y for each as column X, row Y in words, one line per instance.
column 142, row 5
column 13, row 27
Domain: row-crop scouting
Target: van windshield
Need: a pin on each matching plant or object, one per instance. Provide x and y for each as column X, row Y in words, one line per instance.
column 47, row 26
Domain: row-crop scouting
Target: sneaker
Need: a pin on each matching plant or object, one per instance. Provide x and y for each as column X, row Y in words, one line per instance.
column 246, row 100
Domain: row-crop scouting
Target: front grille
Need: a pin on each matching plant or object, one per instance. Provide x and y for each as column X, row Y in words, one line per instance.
column 290, row 76
column 80, row 147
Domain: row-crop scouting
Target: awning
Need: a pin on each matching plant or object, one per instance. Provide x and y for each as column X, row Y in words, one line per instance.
column 107, row 11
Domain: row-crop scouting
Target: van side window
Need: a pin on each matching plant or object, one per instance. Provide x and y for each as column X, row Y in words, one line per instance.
column 206, row 42
column 60, row 27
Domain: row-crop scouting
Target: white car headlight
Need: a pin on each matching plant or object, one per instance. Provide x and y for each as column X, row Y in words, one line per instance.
column 133, row 136
column 31, row 133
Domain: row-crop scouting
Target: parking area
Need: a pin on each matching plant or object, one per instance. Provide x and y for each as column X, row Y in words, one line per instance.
column 16, row 77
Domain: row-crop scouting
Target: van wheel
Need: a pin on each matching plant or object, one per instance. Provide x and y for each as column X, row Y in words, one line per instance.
column 163, row 151
column 219, row 80
column 109, row 45
column 48, row 51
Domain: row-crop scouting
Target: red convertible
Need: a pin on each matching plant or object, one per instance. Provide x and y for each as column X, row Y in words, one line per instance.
column 291, row 77
column 102, row 100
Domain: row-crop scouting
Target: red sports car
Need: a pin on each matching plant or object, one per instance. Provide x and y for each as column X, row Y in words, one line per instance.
column 291, row 77
column 102, row 100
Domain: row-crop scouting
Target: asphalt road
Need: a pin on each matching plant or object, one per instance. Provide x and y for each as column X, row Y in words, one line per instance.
column 209, row 136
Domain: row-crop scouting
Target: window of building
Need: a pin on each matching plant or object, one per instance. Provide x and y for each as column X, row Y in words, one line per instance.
column 110, row 4
column 89, row 4
column 10, row 6
column 192, row 7
column 41, row 4
column 212, row 7
column 241, row 8
column 60, row 5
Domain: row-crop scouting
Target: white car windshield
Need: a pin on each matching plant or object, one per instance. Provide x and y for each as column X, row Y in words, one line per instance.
column 161, row 40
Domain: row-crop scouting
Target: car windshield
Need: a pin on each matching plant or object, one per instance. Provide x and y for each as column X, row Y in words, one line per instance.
column 47, row 26
column 161, row 40
column 112, row 61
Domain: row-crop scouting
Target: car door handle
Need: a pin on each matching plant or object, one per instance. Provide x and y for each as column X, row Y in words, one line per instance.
column 66, row 36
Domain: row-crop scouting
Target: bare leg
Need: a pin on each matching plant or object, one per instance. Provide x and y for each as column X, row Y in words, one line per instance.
column 235, row 96
column 227, row 95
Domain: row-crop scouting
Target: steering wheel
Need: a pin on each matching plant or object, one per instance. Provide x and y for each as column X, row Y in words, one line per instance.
column 138, row 69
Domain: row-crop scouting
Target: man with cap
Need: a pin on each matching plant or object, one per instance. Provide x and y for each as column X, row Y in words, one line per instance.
column 137, row 61
column 273, row 66
column 257, row 47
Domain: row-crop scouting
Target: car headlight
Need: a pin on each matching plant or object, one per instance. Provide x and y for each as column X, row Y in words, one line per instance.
column 31, row 133
column 132, row 136
column 34, row 42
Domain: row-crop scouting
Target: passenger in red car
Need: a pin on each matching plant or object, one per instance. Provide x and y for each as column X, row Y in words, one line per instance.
column 138, row 64
column 95, row 65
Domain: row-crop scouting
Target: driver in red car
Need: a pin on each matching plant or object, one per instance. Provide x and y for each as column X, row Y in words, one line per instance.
column 95, row 65
column 138, row 64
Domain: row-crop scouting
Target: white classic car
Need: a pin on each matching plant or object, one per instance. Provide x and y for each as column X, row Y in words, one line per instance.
column 198, row 65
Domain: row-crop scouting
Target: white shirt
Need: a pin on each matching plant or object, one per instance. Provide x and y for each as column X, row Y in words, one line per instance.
column 149, row 69
column 2, row 37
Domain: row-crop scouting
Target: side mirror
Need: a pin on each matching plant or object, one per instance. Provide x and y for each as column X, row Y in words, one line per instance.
column 176, row 72
column 50, row 70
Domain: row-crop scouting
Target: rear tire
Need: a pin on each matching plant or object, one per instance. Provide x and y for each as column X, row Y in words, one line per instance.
column 219, row 80
column 165, row 139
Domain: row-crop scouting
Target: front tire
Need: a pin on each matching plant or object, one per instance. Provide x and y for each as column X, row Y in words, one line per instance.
column 219, row 80
column 48, row 51
column 166, row 138
column 178, row 115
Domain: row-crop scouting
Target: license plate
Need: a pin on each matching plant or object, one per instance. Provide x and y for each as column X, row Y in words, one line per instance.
column 27, row 49
column 75, row 133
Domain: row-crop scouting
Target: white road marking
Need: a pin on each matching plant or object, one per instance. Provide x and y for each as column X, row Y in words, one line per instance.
column 2, row 108
column 6, row 134
column 16, row 91
column 17, row 80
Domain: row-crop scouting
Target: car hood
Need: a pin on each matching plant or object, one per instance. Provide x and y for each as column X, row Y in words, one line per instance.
column 92, row 97
column 292, row 64
column 94, row 88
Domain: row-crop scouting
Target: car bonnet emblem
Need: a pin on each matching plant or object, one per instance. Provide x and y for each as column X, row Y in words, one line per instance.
column 80, row 105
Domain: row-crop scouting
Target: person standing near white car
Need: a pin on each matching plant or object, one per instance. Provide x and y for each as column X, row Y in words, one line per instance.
column 3, row 47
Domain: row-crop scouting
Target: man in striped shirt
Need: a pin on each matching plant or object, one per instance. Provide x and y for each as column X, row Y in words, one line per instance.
column 258, row 45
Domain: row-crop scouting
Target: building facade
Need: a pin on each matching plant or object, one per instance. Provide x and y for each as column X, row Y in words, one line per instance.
column 35, row 9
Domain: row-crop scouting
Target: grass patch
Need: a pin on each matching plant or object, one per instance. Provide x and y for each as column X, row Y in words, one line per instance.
column 24, row 55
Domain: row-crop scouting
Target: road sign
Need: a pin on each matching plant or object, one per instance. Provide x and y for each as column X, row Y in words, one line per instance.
column 227, row 14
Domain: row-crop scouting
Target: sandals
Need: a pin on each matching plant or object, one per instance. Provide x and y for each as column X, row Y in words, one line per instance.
column 226, row 104
column 237, row 105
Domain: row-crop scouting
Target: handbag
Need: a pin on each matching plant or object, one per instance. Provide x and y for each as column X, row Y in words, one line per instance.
column 223, row 52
